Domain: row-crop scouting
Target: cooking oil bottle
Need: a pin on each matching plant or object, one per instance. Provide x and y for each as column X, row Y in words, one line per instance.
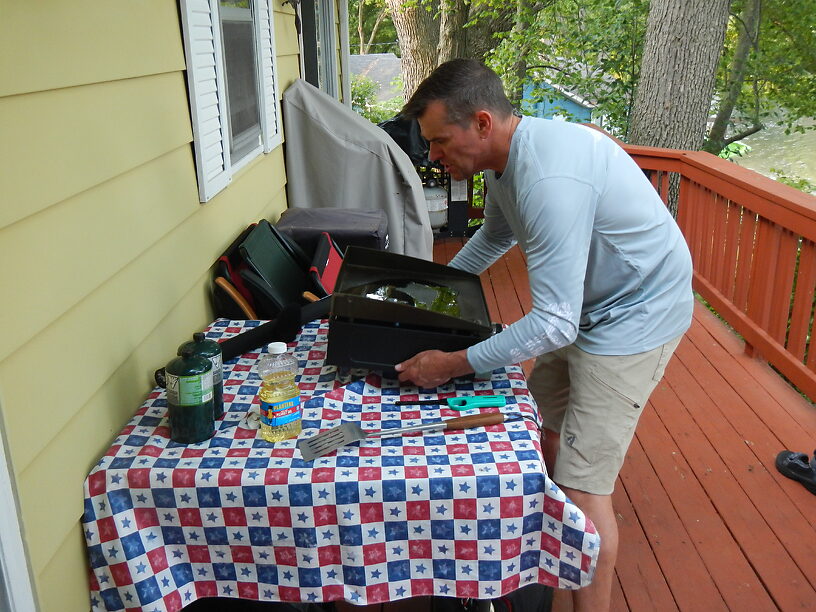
column 279, row 394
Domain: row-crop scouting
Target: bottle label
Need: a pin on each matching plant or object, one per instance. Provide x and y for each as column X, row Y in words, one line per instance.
column 280, row 413
column 217, row 369
column 189, row 390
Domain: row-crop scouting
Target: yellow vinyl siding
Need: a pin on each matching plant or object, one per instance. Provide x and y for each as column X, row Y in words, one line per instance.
column 69, row 140
column 51, row 44
column 109, row 250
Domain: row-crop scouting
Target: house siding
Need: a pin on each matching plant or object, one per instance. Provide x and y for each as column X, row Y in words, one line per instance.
column 107, row 248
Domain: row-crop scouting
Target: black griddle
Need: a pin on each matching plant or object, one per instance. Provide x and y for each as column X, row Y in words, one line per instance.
column 375, row 334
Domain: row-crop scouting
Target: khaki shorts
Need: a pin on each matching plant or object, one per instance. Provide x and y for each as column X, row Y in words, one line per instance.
column 594, row 402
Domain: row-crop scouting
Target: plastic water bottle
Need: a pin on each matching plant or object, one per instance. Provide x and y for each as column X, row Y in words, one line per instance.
column 280, row 396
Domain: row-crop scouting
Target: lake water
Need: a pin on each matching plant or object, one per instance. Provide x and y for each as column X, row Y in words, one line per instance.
column 793, row 155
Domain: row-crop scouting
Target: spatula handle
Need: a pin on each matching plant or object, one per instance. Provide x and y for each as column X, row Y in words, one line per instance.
column 474, row 420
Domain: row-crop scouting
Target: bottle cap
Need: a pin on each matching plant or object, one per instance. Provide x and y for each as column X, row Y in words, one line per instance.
column 276, row 348
column 198, row 337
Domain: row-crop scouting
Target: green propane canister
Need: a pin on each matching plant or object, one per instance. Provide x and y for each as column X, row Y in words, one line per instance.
column 210, row 349
column 190, row 397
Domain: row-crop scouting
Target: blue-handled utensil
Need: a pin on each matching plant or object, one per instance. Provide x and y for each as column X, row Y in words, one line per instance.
column 462, row 402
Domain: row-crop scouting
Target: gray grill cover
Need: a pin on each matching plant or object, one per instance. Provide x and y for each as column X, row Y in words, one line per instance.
column 337, row 159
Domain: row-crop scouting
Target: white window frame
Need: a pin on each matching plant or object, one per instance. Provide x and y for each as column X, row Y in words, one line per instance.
column 204, row 50
column 16, row 588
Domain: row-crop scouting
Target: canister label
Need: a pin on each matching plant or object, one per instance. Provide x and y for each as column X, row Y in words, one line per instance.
column 189, row 390
column 217, row 369
column 280, row 413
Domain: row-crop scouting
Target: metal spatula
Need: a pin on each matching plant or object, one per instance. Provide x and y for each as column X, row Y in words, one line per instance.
column 329, row 441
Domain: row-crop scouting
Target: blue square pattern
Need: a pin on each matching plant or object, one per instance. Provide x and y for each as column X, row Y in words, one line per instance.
column 482, row 458
column 572, row 537
column 569, row 572
column 393, row 490
column 132, row 545
column 112, row 599
column 224, row 571
column 534, row 483
column 444, row 569
column 351, row 535
column 136, row 440
column 443, row 530
column 438, row 460
column 182, row 574
column 267, row 574
column 216, row 536
column 172, row 535
column 120, row 500
column 392, row 460
column 354, row 575
column 396, row 531
column 260, row 536
column 96, row 556
column 532, row 522
column 89, row 515
column 301, row 495
column 488, row 486
column 488, row 529
column 344, row 493
column 530, row 559
column 165, row 462
column 489, row 570
column 441, row 488
column 254, row 496
column 305, row 537
column 398, row 570
column 121, row 463
column 309, row 577
column 208, row 497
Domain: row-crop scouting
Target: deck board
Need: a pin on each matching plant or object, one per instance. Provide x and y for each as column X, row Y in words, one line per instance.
column 706, row 521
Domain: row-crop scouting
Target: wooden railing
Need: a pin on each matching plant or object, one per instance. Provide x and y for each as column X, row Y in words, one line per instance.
column 753, row 243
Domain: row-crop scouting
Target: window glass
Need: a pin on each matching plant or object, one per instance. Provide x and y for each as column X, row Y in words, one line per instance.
column 241, row 71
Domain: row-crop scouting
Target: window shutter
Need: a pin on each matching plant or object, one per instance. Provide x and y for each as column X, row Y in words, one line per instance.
column 268, row 81
column 205, row 78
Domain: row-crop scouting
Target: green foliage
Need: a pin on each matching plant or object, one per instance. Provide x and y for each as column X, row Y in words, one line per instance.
column 364, row 101
column 591, row 48
column 385, row 38
column 733, row 150
column 797, row 182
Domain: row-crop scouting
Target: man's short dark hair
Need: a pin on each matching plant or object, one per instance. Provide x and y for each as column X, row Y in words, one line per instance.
column 465, row 86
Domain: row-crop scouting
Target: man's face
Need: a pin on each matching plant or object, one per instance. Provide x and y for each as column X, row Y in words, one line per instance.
column 458, row 149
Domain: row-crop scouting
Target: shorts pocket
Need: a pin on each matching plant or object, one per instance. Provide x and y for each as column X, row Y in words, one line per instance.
column 614, row 385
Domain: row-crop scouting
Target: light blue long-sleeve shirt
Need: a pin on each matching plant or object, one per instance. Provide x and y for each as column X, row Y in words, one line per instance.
column 608, row 267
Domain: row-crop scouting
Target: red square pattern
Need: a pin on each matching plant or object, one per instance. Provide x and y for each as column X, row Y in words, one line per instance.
column 420, row 549
column 554, row 508
column 378, row 592
column 138, row 478
column 325, row 515
column 107, row 529
column 328, row 555
column 121, row 574
column 198, row 554
column 465, row 508
column 242, row 554
column 96, row 483
column 248, row 590
column 229, row 477
column 512, row 507
column 508, row 468
column 371, row 513
column 279, row 517
column 146, row 517
column 206, row 589
column 158, row 560
column 285, row 555
column 374, row 553
column 234, row 517
column 190, row 517
column 184, row 478
column 466, row 551
column 276, row 476
column 510, row 548
column 419, row 472
column 323, row 475
column 551, row 545
column 418, row 510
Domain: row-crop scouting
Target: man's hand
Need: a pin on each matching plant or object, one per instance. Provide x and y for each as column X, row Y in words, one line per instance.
column 430, row 369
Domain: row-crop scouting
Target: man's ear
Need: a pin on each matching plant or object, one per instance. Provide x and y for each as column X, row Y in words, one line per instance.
column 484, row 123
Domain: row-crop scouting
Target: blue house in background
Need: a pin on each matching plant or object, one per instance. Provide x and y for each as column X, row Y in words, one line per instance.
column 558, row 103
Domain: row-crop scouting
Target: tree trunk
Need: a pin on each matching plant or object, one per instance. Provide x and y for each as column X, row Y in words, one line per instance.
column 748, row 27
column 684, row 39
column 418, row 34
column 452, row 31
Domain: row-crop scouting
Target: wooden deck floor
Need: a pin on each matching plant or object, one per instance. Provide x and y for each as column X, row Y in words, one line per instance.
column 706, row 521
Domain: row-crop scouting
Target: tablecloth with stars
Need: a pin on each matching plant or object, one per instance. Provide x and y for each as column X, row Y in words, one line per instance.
column 468, row 514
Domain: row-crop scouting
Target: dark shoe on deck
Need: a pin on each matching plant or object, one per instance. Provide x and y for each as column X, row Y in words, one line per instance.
column 799, row 467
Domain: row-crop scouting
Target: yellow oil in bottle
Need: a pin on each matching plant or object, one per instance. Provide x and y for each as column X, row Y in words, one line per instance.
column 280, row 406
